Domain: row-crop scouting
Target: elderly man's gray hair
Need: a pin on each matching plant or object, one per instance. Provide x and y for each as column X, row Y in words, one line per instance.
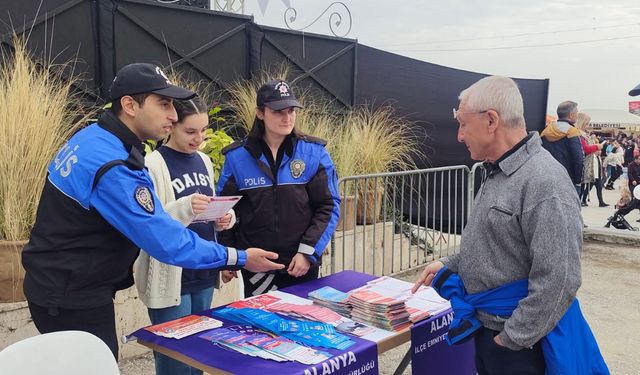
column 498, row 93
column 565, row 108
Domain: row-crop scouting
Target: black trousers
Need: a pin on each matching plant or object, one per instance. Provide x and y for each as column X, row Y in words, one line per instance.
column 99, row 321
column 617, row 172
column 587, row 188
column 259, row 283
column 492, row 359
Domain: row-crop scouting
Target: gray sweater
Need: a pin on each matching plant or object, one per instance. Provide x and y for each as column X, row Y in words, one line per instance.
column 525, row 224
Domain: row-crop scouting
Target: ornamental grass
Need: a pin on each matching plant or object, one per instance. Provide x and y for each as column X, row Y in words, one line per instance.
column 38, row 113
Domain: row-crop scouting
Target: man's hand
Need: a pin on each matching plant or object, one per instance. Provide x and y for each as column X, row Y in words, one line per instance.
column 258, row 260
column 427, row 275
column 224, row 222
column 228, row 275
column 498, row 341
column 299, row 265
column 199, row 203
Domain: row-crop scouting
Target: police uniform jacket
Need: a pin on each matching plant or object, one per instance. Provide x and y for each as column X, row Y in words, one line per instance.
column 294, row 211
column 96, row 210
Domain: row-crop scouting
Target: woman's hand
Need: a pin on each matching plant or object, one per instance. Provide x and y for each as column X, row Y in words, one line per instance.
column 299, row 265
column 224, row 222
column 199, row 203
column 228, row 275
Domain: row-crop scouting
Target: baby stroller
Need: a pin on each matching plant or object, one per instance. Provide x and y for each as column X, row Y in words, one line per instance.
column 617, row 220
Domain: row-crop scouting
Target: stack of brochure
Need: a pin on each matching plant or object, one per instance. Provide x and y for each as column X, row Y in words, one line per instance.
column 258, row 302
column 250, row 341
column 308, row 312
column 389, row 304
column 295, row 309
column 427, row 299
column 333, row 299
column 371, row 307
column 184, row 326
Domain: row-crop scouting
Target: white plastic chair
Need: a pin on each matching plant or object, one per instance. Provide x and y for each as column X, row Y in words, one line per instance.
column 59, row 353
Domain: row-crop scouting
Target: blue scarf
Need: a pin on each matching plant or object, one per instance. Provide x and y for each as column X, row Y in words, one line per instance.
column 570, row 348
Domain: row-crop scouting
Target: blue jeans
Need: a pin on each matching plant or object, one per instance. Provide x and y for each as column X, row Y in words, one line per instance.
column 189, row 304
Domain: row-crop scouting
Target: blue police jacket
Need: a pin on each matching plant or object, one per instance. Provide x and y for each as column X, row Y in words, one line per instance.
column 294, row 211
column 570, row 348
column 97, row 209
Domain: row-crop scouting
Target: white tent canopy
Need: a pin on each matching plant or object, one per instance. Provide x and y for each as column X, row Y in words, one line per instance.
column 612, row 118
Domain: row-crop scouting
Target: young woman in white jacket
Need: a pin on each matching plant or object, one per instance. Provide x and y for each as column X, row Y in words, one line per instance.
column 183, row 180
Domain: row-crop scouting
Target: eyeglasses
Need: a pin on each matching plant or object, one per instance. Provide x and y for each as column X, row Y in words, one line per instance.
column 456, row 112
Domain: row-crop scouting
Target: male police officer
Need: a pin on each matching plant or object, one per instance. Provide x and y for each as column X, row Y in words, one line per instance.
column 98, row 208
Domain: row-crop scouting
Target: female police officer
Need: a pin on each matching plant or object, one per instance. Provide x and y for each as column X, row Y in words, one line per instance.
column 98, row 208
column 289, row 186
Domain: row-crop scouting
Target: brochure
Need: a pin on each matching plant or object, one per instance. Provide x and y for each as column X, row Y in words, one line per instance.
column 248, row 340
column 185, row 326
column 217, row 208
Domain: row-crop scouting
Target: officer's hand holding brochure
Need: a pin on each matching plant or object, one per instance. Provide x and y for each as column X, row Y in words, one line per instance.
column 217, row 208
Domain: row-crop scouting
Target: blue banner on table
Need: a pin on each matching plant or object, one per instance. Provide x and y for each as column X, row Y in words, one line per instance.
column 430, row 351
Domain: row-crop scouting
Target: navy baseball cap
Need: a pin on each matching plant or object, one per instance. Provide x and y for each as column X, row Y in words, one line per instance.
column 277, row 95
column 635, row 91
column 140, row 78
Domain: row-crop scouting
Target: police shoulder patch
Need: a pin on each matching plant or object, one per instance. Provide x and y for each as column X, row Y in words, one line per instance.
column 312, row 139
column 144, row 198
column 234, row 145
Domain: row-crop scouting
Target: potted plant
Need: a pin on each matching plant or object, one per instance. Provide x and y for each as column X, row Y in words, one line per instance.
column 384, row 142
column 38, row 113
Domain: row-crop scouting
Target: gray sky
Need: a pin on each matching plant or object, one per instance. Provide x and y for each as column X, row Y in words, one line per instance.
column 590, row 50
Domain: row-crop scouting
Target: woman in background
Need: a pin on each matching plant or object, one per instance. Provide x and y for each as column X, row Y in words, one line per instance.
column 592, row 172
column 183, row 180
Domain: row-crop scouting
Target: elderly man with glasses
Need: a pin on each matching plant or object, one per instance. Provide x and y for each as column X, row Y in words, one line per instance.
column 514, row 282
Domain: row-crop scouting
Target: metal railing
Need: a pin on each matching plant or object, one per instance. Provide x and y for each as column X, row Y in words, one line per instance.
column 390, row 222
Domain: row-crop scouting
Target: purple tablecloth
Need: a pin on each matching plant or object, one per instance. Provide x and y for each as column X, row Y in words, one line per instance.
column 429, row 351
column 431, row 354
column 361, row 358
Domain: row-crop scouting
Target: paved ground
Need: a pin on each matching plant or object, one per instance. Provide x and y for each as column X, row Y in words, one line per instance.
column 610, row 296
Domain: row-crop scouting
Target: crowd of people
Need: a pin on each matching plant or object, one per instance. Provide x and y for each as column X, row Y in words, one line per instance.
column 592, row 159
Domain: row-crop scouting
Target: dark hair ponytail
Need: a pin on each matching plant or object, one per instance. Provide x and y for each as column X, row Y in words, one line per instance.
column 257, row 129
column 185, row 108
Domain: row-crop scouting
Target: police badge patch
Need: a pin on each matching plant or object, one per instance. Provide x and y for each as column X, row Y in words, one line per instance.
column 144, row 198
column 297, row 167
